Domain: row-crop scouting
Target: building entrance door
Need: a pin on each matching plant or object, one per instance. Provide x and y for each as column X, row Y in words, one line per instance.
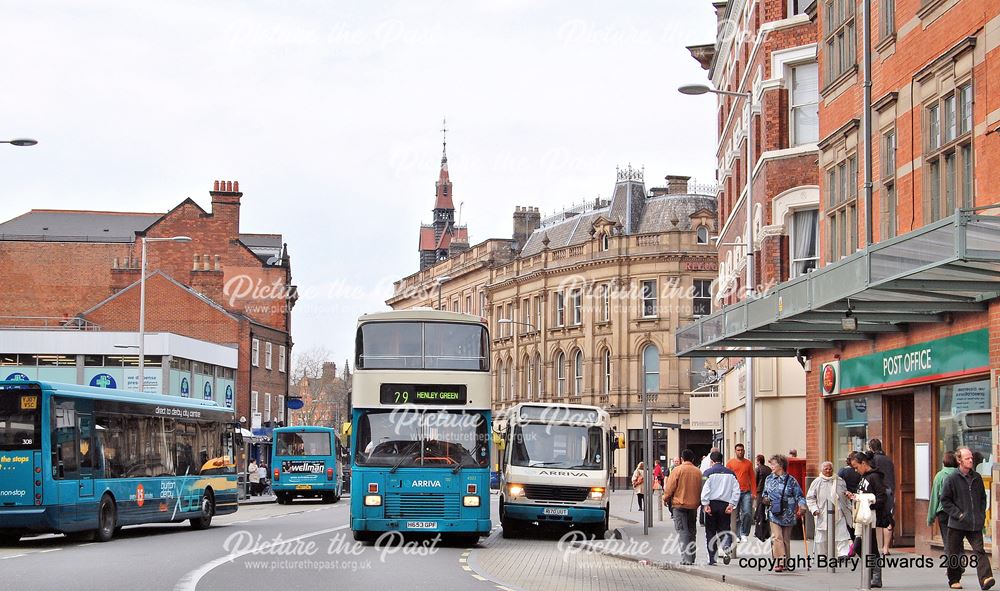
column 899, row 445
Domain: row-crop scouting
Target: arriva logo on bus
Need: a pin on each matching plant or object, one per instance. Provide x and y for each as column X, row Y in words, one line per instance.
column 427, row 483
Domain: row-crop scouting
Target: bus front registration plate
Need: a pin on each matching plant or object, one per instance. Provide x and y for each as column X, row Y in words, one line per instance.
column 551, row 511
column 421, row 525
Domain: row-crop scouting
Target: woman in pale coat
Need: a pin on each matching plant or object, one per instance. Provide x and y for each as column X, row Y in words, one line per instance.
column 638, row 479
column 826, row 492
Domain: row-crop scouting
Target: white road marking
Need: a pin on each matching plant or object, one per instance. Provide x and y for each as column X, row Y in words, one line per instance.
column 479, row 577
column 12, row 556
column 189, row 582
column 49, row 550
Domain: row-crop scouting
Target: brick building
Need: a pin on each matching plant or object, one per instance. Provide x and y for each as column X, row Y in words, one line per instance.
column 223, row 286
column 901, row 336
column 325, row 396
column 593, row 293
column 767, row 48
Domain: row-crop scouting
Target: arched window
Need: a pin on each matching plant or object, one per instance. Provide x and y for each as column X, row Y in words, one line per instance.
column 578, row 373
column 512, row 382
column 538, row 375
column 561, row 374
column 606, row 372
column 527, row 371
column 651, row 369
column 703, row 235
column 501, row 381
column 605, row 242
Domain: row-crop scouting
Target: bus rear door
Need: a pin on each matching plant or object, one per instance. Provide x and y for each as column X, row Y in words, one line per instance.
column 85, row 425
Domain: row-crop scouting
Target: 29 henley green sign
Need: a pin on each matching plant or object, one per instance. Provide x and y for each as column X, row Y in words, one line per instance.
column 949, row 357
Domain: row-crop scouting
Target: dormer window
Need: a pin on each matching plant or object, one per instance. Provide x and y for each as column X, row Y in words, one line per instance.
column 703, row 235
column 605, row 241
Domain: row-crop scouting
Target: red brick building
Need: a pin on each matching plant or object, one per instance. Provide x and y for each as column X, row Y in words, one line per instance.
column 901, row 337
column 223, row 286
column 767, row 48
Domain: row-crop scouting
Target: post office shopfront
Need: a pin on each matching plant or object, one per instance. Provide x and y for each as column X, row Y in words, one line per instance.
column 921, row 401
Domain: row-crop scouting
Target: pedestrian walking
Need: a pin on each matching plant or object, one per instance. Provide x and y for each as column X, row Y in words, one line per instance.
column 639, row 479
column 254, row 477
column 676, row 462
column 872, row 483
column 935, row 512
column 883, row 463
column 720, row 495
column 793, row 453
column 262, row 474
column 683, row 496
column 743, row 469
column 828, row 492
column 762, row 472
column 785, row 503
column 706, row 461
column 658, row 474
column 963, row 498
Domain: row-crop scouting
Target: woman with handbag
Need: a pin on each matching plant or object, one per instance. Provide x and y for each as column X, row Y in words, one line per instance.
column 785, row 504
column 638, row 479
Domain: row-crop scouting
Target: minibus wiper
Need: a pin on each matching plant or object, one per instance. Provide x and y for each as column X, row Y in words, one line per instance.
column 404, row 458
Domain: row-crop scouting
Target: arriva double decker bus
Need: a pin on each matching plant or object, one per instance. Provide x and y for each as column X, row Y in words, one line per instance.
column 304, row 464
column 86, row 461
column 421, row 425
column 556, row 468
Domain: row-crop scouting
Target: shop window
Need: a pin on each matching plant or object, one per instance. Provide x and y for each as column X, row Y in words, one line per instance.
column 850, row 427
column 965, row 420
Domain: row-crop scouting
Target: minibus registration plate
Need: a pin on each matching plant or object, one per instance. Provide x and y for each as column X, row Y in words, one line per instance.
column 551, row 511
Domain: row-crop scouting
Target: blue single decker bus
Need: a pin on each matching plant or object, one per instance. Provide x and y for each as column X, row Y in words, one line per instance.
column 304, row 464
column 420, row 436
column 86, row 461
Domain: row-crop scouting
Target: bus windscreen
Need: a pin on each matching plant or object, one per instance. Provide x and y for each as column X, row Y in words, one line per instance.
column 422, row 345
column 20, row 420
column 302, row 444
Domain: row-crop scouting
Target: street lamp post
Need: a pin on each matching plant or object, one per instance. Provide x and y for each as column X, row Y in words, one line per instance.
column 440, row 282
column 142, row 304
column 696, row 89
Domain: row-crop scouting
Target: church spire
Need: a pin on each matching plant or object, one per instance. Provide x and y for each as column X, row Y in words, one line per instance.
column 444, row 144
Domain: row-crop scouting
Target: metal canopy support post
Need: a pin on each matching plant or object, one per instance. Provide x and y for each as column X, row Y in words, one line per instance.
column 751, row 286
column 647, row 443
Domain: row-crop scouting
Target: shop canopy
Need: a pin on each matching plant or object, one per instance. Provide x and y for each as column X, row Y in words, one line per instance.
column 949, row 266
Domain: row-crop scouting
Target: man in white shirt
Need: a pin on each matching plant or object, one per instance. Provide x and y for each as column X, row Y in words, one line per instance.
column 719, row 496
column 706, row 462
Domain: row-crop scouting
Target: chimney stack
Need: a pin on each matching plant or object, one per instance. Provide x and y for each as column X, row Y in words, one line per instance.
column 226, row 204
column 677, row 185
column 526, row 221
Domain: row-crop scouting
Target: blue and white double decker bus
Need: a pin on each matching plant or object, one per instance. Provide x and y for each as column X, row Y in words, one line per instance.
column 86, row 461
column 304, row 463
column 420, row 432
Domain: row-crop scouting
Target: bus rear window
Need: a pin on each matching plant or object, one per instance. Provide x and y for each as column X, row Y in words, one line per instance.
column 20, row 423
column 422, row 345
column 303, row 444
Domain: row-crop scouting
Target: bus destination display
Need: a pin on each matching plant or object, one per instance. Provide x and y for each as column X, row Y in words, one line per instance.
column 422, row 394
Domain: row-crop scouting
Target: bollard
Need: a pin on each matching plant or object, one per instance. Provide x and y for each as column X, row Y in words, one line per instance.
column 865, row 549
column 831, row 535
column 660, row 502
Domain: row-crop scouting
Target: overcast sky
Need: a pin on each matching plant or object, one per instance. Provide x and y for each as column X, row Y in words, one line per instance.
column 329, row 116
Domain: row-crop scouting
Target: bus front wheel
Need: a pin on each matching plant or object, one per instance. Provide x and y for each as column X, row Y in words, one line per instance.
column 106, row 519
column 364, row 536
column 204, row 521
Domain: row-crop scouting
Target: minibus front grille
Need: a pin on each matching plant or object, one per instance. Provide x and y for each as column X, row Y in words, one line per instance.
column 420, row 505
column 545, row 492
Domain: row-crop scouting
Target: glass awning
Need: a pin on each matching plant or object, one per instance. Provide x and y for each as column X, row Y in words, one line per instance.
column 949, row 266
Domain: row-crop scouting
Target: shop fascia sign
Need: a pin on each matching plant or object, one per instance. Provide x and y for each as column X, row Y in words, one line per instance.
column 945, row 358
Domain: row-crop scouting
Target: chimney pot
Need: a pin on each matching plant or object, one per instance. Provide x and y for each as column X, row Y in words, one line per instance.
column 216, row 186
column 195, row 266
column 236, row 186
column 218, row 265
column 204, row 263
column 229, row 186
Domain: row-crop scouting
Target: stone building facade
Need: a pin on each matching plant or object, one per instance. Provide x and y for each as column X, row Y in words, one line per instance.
column 581, row 306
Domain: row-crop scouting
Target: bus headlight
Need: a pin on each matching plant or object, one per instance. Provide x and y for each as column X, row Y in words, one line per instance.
column 516, row 490
column 597, row 493
column 373, row 500
column 470, row 501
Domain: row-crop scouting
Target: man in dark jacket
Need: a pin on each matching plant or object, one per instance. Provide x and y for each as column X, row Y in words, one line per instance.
column 963, row 498
column 871, row 483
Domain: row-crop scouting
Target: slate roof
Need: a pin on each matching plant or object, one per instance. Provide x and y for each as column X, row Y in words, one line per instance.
column 76, row 226
column 267, row 247
column 657, row 215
